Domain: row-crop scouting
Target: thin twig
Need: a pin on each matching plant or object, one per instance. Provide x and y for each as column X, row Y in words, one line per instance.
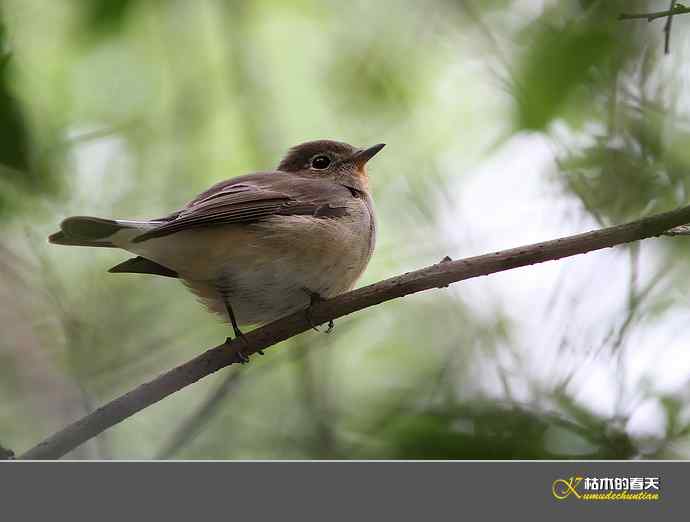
column 195, row 423
column 439, row 275
column 667, row 29
column 676, row 10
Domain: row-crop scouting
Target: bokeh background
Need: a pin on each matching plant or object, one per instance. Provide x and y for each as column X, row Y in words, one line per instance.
column 507, row 122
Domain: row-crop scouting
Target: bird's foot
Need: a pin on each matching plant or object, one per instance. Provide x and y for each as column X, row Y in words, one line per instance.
column 242, row 355
column 314, row 299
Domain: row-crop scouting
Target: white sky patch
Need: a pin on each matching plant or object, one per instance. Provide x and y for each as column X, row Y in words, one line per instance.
column 102, row 171
column 561, row 312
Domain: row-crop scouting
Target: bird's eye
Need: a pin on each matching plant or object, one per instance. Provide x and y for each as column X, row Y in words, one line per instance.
column 320, row 162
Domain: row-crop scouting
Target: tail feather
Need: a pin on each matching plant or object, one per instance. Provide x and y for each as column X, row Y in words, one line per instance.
column 141, row 265
column 89, row 228
column 60, row 238
column 90, row 231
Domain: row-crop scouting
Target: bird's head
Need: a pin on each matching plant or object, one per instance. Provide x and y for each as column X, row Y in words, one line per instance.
column 336, row 160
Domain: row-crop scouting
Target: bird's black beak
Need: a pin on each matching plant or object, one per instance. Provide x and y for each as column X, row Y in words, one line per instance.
column 361, row 157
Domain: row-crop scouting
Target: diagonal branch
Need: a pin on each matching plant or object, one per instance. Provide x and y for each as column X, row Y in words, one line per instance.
column 439, row 275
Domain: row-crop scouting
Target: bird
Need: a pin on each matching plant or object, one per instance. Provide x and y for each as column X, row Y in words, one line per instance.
column 260, row 246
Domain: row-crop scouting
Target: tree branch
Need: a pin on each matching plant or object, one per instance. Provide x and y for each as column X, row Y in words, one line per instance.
column 667, row 29
column 436, row 276
column 676, row 10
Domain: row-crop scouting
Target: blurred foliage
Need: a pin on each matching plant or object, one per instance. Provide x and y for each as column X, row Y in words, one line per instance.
column 14, row 139
column 13, row 132
column 564, row 51
column 106, row 16
column 492, row 432
column 130, row 107
column 22, row 175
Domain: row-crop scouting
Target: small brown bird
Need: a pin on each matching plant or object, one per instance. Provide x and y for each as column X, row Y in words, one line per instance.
column 256, row 247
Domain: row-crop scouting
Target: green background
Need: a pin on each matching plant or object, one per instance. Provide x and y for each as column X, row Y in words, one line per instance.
column 506, row 123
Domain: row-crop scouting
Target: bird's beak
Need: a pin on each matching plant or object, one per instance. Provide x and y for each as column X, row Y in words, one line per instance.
column 361, row 157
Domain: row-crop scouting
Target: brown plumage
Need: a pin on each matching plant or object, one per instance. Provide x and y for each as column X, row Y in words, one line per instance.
column 259, row 246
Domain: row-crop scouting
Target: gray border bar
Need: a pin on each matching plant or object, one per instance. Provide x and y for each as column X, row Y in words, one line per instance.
column 322, row 490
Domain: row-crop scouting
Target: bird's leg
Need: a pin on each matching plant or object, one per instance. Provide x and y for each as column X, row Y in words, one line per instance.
column 315, row 298
column 241, row 355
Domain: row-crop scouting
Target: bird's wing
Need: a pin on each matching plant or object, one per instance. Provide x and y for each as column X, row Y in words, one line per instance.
column 254, row 197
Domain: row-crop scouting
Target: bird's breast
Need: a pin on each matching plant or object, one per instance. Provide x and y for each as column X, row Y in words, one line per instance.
column 328, row 254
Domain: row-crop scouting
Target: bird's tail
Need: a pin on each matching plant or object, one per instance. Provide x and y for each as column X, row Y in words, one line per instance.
column 92, row 231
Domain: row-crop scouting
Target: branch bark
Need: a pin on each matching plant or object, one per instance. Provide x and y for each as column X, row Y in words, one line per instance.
column 439, row 275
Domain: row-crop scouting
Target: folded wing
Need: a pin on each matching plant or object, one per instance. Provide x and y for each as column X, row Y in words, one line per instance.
column 254, row 197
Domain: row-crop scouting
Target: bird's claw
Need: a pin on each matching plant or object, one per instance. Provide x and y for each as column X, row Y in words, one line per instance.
column 315, row 298
column 242, row 356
